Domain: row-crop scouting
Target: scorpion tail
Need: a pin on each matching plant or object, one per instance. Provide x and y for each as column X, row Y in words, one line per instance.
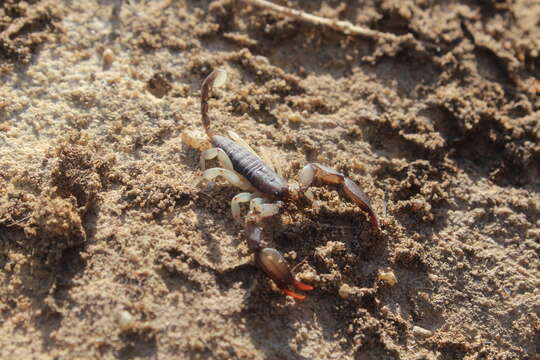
column 217, row 78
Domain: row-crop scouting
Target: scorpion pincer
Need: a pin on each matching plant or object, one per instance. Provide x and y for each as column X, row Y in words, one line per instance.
column 265, row 190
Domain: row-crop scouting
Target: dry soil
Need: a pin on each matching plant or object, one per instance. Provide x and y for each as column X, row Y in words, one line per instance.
column 112, row 247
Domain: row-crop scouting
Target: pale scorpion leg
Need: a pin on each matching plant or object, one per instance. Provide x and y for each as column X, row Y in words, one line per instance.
column 235, row 203
column 257, row 206
column 259, row 210
column 327, row 175
column 220, row 154
column 232, row 177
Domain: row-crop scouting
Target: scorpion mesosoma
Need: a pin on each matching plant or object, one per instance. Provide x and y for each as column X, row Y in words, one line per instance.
column 265, row 190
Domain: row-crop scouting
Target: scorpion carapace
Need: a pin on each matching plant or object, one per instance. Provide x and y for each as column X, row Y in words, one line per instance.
column 265, row 190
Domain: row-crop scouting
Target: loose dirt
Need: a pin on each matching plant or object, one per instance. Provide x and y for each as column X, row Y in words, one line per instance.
column 111, row 246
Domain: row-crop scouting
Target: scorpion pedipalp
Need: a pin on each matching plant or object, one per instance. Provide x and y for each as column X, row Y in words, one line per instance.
column 273, row 264
column 327, row 175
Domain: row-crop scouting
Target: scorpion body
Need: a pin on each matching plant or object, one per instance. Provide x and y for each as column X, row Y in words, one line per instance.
column 243, row 168
column 244, row 162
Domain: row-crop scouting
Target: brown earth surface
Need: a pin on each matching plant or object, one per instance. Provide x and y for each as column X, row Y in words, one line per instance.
column 111, row 246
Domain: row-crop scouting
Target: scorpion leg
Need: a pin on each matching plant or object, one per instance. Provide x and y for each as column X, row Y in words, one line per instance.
column 231, row 176
column 235, row 203
column 220, row 154
column 327, row 175
column 270, row 260
column 257, row 204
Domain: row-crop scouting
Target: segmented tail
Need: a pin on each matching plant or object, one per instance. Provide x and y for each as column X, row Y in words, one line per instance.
column 217, row 78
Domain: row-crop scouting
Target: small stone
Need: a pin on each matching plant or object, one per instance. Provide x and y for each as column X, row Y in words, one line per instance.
column 125, row 320
column 418, row 205
column 309, row 276
column 345, row 291
column 108, row 57
column 421, row 332
column 295, row 117
column 387, row 276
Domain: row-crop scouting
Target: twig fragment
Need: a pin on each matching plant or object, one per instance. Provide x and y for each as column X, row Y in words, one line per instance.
column 339, row 25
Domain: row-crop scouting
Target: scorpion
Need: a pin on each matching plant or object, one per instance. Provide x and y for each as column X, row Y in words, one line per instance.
column 265, row 190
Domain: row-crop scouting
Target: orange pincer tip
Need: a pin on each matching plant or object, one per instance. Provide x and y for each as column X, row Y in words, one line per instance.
column 293, row 294
column 302, row 286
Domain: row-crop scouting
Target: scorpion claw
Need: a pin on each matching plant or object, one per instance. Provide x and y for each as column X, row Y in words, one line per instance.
column 274, row 265
column 301, row 286
column 293, row 294
column 327, row 175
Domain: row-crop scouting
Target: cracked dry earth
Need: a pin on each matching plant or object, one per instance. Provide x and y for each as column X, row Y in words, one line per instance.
column 112, row 247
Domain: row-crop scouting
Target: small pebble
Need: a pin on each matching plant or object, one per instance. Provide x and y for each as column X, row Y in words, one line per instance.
column 388, row 277
column 295, row 117
column 125, row 320
column 420, row 331
column 309, row 276
column 345, row 291
column 108, row 57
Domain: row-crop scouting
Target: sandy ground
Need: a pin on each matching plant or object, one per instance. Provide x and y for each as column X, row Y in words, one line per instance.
column 112, row 247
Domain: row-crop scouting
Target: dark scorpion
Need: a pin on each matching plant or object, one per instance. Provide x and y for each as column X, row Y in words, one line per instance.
column 265, row 190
